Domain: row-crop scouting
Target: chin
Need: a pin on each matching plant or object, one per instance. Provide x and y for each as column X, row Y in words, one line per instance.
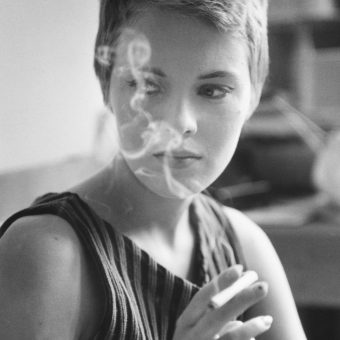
column 171, row 188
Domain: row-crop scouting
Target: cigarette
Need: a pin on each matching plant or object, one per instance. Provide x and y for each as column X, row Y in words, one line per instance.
column 228, row 293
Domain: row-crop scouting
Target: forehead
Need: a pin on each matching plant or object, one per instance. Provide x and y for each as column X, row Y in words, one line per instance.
column 178, row 40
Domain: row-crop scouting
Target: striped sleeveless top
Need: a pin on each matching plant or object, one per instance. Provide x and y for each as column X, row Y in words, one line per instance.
column 143, row 300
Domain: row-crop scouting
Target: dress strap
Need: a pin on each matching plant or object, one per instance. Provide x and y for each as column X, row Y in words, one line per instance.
column 219, row 228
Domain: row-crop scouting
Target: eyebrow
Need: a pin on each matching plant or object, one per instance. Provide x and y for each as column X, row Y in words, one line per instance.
column 217, row 74
column 154, row 70
column 210, row 75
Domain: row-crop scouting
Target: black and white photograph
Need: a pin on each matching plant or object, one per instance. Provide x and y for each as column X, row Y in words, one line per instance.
column 170, row 170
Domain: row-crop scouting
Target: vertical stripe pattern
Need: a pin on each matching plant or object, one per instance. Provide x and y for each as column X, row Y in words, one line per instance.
column 143, row 300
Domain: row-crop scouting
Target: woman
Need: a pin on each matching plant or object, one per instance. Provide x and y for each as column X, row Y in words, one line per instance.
column 137, row 251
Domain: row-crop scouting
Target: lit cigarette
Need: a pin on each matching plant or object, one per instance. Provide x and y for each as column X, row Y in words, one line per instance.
column 228, row 293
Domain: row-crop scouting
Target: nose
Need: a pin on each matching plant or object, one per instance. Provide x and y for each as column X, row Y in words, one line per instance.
column 184, row 118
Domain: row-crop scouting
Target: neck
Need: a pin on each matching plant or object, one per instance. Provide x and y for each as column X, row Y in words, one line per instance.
column 139, row 210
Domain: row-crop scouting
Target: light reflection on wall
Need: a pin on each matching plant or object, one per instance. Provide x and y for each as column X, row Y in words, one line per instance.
column 48, row 92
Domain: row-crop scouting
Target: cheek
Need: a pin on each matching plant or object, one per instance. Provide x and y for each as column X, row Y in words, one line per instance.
column 130, row 125
column 223, row 128
column 221, row 136
column 131, row 133
column 227, row 121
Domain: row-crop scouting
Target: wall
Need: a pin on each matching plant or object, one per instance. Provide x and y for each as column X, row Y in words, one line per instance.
column 49, row 95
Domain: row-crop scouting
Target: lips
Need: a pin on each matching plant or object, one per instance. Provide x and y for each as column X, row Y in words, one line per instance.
column 178, row 154
column 177, row 159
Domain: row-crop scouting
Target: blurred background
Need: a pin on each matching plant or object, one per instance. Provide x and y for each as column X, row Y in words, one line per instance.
column 55, row 131
column 51, row 116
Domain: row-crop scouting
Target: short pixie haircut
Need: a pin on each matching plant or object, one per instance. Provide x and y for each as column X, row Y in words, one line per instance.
column 247, row 18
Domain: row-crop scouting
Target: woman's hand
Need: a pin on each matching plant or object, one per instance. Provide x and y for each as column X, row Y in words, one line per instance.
column 199, row 321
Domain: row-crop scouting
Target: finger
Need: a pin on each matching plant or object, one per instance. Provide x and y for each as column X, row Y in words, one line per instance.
column 215, row 319
column 199, row 304
column 225, row 279
column 249, row 329
column 227, row 328
column 238, row 286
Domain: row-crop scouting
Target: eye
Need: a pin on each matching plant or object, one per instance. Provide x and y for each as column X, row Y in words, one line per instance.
column 148, row 86
column 151, row 88
column 213, row 91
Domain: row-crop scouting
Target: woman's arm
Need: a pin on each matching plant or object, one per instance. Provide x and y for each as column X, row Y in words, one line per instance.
column 43, row 279
column 262, row 257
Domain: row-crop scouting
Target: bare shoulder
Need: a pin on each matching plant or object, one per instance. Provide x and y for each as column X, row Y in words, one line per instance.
column 258, row 250
column 261, row 256
column 242, row 221
column 42, row 237
column 252, row 237
column 43, row 266
column 38, row 249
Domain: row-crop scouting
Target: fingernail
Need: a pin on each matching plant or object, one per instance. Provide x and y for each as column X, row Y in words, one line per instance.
column 262, row 287
column 267, row 320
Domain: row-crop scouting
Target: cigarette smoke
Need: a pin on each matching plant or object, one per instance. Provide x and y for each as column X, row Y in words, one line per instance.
column 156, row 134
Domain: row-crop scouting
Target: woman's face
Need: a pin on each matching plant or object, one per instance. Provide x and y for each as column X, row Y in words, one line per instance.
column 180, row 106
